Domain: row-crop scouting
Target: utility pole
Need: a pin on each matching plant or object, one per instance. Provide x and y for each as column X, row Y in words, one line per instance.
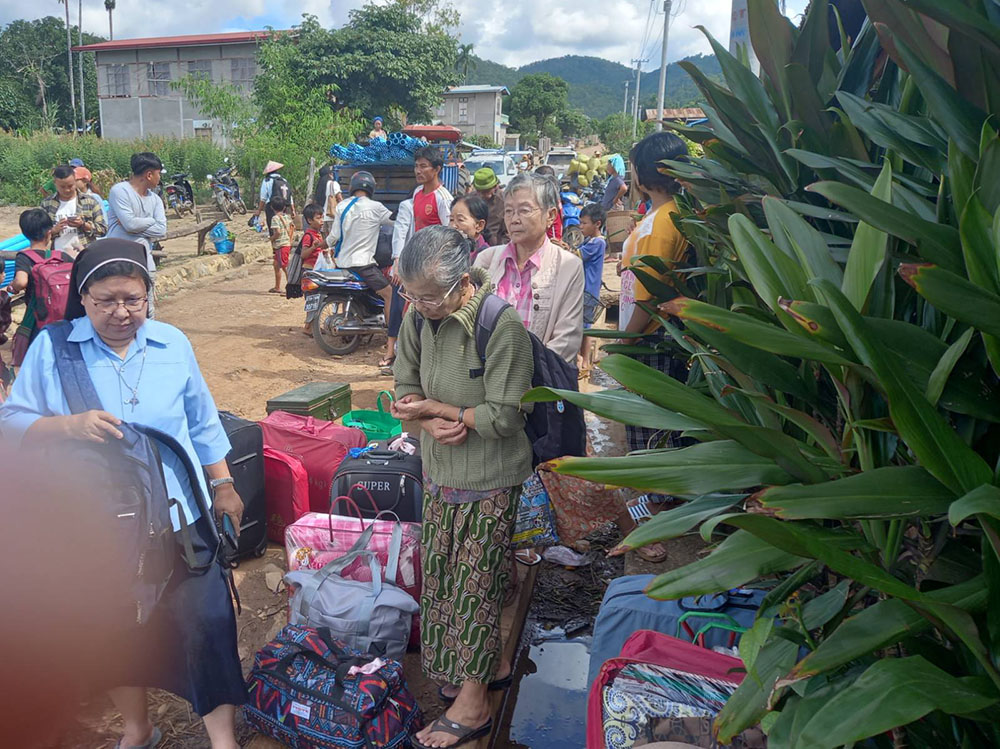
column 625, row 103
column 635, row 106
column 661, row 93
column 79, row 56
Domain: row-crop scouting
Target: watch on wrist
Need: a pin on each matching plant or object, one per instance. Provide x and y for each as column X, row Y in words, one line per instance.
column 461, row 415
column 216, row 483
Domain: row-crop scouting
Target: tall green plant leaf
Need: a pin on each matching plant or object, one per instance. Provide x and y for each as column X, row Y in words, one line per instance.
column 772, row 37
column 945, row 366
column 987, row 180
column 721, row 466
column 619, row 405
column 739, row 559
column 868, row 249
column 937, row 243
column 771, row 272
column 744, row 84
column 937, row 446
column 890, row 693
column 965, row 301
column 676, row 522
column 797, row 238
column 891, row 491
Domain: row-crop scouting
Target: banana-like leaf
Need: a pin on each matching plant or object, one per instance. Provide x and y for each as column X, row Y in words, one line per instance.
column 892, row 692
column 961, row 178
column 815, row 211
column 937, row 243
column 797, row 238
column 945, row 366
column 851, row 172
column 808, row 106
column 753, row 333
column 888, row 492
column 894, row 21
column 868, row 249
column 813, row 40
column 619, row 405
column 976, row 233
column 808, row 424
column 772, row 273
column 881, row 625
column 965, row 301
column 744, row 84
column 984, row 503
column 959, row 118
column 676, row 522
column 721, row 466
column 772, row 37
column 739, row 559
column 937, row 446
column 987, row 180
column 859, row 68
column 961, row 17
column 816, row 320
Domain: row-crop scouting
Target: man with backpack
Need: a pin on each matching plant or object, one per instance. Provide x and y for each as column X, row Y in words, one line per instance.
column 43, row 275
column 274, row 185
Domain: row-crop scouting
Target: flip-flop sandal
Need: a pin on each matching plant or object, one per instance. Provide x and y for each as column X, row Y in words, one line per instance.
column 497, row 685
column 527, row 557
column 154, row 739
column 275, row 291
column 465, row 734
column 387, row 362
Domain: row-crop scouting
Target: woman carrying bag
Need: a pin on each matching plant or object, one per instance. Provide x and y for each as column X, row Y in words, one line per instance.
column 144, row 372
column 475, row 458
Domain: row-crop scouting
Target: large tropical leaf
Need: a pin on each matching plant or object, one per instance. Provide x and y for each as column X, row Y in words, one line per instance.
column 937, row 446
column 890, row 693
column 677, row 521
column 868, row 249
column 619, row 405
column 891, row 491
column 739, row 559
column 772, row 273
column 797, row 238
column 719, row 466
column 952, row 294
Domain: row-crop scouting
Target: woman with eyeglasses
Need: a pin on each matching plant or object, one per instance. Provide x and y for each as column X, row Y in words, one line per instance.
column 475, row 458
column 542, row 281
column 145, row 372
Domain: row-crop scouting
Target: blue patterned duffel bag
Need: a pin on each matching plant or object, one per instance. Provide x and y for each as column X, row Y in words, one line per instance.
column 309, row 690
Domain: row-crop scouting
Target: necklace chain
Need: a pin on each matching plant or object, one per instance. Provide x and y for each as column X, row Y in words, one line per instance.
column 120, row 371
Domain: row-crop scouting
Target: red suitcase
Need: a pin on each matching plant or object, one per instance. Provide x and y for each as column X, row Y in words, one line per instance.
column 320, row 445
column 286, row 491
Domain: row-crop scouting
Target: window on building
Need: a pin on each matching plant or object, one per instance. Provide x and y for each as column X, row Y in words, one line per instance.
column 200, row 69
column 463, row 110
column 244, row 70
column 158, row 76
column 205, row 133
column 116, row 80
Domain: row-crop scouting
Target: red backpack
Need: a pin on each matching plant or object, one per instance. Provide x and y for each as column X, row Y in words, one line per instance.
column 50, row 287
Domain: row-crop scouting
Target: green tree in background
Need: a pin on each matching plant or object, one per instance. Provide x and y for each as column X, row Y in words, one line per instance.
column 574, row 123
column 399, row 54
column 535, row 102
column 465, row 61
column 34, row 78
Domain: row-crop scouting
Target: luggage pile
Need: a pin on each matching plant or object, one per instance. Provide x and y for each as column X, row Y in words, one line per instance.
column 348, row 513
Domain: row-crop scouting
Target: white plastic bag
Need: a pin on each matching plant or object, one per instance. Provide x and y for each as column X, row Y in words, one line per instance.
column 323, row 263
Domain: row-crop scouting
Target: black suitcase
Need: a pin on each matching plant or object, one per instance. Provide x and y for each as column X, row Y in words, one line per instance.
column 246, row 463
column 394, row 479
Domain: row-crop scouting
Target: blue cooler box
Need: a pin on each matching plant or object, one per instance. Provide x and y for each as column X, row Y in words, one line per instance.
column 626, row 609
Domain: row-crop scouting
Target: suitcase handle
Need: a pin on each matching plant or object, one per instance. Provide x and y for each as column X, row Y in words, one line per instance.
column 350, row 504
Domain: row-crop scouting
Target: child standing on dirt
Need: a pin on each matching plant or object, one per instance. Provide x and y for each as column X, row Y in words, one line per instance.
column 282, row 239
column 313, row 245
column 592, row 219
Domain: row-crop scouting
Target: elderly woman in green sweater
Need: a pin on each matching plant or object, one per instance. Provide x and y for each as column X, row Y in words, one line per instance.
column 475, row 456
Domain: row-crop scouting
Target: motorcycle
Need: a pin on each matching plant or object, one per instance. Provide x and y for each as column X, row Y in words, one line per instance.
column 571, row 207
column 342, row 310
column 226, row 192
column 179, row 195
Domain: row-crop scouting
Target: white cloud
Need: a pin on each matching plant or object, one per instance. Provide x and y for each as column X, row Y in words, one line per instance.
column 514, row 32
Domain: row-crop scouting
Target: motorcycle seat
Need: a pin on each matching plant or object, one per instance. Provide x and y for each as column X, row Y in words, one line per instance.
column 178, row 176
column 335, row 274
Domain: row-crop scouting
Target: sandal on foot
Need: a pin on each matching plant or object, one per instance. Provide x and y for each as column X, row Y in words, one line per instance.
column 154, row 739
column 275, row 291
column 386, row 362
column 465, row 734
column 497, row 685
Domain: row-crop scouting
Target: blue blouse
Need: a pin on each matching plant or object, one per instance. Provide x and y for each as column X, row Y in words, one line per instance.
column 171, row 395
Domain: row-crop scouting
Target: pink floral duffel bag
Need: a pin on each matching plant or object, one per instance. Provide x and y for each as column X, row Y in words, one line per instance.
column 316, row 539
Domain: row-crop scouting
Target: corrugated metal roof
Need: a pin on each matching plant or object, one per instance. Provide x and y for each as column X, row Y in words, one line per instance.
column 477, row 90
column 686, row 113
column 191, row 40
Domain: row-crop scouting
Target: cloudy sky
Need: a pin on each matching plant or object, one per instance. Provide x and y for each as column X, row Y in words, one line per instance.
column 514, row 32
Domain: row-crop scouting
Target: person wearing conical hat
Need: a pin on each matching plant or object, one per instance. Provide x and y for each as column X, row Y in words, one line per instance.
column 273, row 185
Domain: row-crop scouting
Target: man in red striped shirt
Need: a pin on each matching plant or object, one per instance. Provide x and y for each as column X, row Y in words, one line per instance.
column 431, row 199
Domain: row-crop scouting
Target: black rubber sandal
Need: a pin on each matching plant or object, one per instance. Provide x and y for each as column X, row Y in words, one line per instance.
column 465, row 734
column 497, row 685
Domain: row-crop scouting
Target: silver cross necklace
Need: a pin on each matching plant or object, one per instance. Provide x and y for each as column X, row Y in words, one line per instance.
column 134, row 400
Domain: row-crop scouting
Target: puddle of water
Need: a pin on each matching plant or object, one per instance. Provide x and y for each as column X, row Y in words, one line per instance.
column 551, row 707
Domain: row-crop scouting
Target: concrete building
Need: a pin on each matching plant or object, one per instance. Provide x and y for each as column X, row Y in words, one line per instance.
column 134, row 77
column 475, row 110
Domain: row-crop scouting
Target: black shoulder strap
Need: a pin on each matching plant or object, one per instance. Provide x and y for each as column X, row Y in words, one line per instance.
column 487, row 318
column 73, row 375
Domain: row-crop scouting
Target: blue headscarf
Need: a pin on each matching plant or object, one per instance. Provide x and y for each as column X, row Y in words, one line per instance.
column 618, row 164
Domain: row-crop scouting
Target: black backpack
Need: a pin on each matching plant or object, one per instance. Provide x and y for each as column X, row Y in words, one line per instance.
column 556, row 428
column 281, row 188
column 130, row 476
column 383, row 250
column 293, row 274
column 325, row 178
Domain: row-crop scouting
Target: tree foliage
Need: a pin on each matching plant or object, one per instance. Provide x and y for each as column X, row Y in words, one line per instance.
column 395, row 55
column 535, row 102
column 33, row 71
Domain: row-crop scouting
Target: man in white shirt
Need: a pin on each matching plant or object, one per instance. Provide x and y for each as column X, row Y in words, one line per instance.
column 354, row 235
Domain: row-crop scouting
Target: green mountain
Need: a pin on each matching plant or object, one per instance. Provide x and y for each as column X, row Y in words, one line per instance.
column 596, row 85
